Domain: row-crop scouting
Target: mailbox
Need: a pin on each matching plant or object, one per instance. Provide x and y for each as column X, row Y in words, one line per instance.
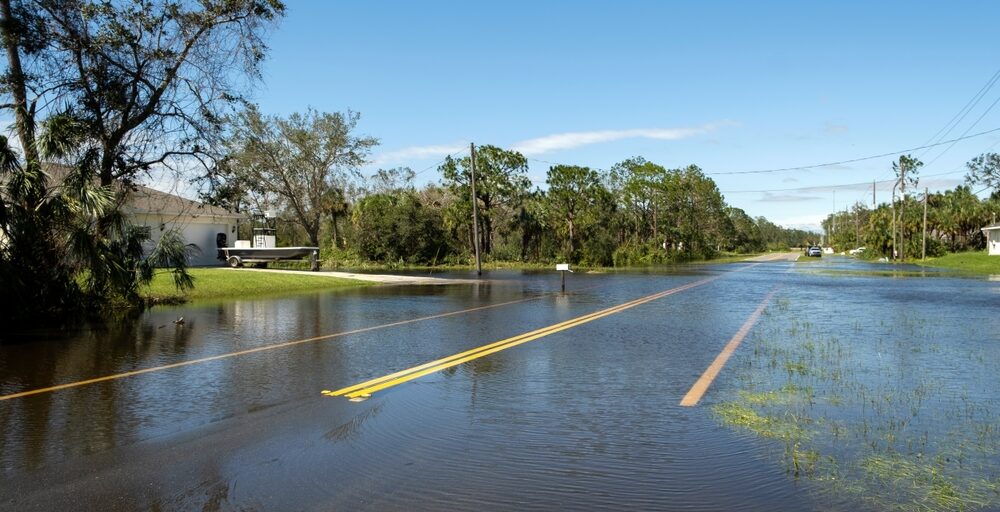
column 562, row 266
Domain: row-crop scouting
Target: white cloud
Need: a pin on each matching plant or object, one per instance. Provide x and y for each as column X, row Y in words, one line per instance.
column 550, row 143
column 416, row 152
column 835, row 129
column 768, row 197
column 572, row 140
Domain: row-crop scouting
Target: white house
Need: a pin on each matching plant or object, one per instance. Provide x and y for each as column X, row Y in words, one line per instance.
column 157, row 211
column 198, row 223
column 992, row 234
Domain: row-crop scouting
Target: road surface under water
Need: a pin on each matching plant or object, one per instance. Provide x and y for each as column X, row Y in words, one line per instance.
column 586, row 417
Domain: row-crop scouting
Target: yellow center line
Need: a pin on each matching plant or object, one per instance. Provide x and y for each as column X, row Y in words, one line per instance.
column 256, row 349
column 700, row 386
column 365, row 389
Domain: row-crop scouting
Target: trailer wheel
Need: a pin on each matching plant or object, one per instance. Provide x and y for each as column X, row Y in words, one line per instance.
column 235, row 261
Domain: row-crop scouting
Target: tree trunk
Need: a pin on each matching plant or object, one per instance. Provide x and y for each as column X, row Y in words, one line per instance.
column 336, row 232
column 23, row 116
column 572, row 246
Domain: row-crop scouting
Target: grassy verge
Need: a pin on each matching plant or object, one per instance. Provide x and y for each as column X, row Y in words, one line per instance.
column 216, row 283
column 972, row 262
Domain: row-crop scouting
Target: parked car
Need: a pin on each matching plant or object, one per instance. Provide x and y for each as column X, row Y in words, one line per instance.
column 855, row 252
column 815, row 251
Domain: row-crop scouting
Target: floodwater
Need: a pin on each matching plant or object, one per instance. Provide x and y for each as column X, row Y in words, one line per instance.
column 863, row 371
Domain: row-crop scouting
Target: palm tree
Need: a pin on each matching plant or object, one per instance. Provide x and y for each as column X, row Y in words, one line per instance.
column 68, row 246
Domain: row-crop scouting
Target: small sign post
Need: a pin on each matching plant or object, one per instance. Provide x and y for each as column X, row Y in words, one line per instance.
column 563, row 268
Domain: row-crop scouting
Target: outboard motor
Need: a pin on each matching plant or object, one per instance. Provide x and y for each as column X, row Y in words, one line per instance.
column 220, row 242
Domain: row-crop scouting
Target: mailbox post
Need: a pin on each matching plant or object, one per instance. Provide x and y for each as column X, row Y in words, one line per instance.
column 563, row 268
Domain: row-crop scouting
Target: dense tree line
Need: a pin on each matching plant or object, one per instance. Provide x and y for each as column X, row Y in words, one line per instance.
column 954, row 217
column 636, row 213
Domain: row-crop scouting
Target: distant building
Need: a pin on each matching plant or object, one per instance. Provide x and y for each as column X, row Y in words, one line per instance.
column 992, row 234
column 198, row 223
column 157, row 212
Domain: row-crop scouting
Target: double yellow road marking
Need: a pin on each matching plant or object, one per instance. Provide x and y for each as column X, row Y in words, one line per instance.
column 365, row 389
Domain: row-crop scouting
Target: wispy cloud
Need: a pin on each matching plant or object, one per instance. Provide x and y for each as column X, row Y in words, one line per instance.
column 572, row 140
column 835, row 129
column 768, row 197
column 549, row 143
column 416, row 153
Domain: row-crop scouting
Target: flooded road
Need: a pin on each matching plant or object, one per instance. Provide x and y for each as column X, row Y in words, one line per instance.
column 227, row 412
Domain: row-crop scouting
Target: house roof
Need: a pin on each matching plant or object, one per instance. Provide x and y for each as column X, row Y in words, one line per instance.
column 991, row 227
column 151, row 201
column 148, row 200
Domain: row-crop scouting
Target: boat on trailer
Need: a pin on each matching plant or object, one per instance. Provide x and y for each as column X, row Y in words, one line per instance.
column 263, row 248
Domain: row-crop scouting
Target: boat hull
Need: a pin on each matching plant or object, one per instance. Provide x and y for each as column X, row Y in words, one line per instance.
column 237, row 256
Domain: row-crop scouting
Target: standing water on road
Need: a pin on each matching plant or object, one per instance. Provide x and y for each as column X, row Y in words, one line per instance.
column 852, row 391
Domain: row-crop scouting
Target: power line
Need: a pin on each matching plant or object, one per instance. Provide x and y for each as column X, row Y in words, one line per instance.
column 828, row 187
column 443, row 160
column 973, row 125
column 976, row 98
column 853, row 160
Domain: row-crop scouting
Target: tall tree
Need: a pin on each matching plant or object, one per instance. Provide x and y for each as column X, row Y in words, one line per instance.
column 577, row 198
column 501, row 184
column 150, row 79
column 304, row 160
column 58, row 240
column 906, row 170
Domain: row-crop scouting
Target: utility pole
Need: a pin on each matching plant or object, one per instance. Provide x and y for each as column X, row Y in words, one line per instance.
column 833, row 229
column 902, row 204
column 892, row 206
column 475, row 210
column 923, row 252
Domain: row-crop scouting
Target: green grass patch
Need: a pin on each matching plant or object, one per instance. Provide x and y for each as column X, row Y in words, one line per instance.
column 785, row 427
column 926, row 484
column 972, row 262
column 218, row 283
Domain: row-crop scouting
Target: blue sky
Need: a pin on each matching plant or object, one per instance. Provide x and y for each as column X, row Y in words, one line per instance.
column 728, row 86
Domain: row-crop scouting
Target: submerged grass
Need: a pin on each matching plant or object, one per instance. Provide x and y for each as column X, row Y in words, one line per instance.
column 830, row 397
column 926, row 484
column 785, row 428
column 218, row 283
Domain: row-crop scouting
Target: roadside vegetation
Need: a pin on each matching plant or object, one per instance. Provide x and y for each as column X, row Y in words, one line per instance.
column 220, row 283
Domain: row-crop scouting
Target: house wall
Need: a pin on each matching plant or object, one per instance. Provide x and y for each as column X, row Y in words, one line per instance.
column 200, row 231
column 993, row 242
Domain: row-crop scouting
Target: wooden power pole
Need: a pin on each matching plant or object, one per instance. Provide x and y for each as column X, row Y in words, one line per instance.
column 923, row 251
column 475, row 210
column 902, row 205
